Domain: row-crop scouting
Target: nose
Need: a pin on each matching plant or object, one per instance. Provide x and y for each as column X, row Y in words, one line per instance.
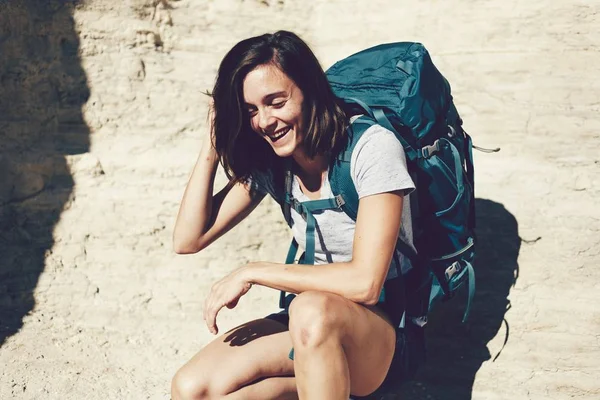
column 266, row 121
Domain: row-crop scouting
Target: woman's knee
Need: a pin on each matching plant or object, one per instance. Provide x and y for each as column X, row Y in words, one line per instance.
column 207, row 378
column 188, row 384
column 316, row 317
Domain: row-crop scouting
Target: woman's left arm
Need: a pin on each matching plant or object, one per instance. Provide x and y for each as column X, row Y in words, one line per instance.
column 360, row 280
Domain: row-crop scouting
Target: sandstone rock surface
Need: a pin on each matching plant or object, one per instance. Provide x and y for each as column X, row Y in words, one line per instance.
column 102, row 114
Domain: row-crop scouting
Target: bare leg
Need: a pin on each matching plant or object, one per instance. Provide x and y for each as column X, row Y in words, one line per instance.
column 340, row 347
column 239, row 360
column 322, row 371
column 280, row 388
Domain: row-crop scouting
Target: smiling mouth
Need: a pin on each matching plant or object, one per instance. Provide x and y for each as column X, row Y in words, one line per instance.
column 279, row 134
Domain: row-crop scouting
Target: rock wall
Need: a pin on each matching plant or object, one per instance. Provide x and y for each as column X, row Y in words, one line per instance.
column 43, row 88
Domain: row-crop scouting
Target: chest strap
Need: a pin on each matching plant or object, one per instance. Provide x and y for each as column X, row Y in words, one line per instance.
column 307, row 209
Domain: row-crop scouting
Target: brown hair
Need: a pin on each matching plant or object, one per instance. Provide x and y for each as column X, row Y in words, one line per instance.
column 241, row 152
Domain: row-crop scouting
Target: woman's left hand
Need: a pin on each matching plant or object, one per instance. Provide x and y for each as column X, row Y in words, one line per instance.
column 224, row 293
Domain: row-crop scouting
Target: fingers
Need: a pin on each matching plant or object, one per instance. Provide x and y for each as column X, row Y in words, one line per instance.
column 224, row 293
column 211, row 321
column 210, row 317
column 211, row 309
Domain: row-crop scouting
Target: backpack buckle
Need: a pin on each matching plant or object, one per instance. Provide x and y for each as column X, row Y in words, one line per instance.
column 339, row 200
column 452, row 270
column 296, row 205
column 428, row 151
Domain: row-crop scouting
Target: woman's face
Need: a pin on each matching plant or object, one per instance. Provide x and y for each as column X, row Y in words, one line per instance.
column 274, row 105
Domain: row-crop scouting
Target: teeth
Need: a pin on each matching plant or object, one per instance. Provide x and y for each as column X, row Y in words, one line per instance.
column 275, row 137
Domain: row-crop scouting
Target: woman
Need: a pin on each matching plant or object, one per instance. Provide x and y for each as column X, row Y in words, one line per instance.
column 273, row 107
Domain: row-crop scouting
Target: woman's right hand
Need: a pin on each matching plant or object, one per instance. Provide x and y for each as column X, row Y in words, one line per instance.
column 224, row 293
column 208, row 148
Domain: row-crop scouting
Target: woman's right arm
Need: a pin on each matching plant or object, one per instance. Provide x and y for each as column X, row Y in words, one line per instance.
column 202, row 217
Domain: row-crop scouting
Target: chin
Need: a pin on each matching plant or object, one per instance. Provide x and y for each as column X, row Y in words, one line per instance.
column 283, row 152
column 285, row 149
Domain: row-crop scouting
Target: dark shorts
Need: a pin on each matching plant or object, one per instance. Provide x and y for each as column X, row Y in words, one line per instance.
column 282, row 317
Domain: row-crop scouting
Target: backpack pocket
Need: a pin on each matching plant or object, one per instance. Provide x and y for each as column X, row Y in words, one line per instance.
column 445, row 196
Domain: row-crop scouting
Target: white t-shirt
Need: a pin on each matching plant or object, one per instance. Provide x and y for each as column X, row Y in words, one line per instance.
column 378, row 165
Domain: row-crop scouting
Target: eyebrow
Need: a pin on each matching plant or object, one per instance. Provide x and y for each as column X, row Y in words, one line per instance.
column 270, row 96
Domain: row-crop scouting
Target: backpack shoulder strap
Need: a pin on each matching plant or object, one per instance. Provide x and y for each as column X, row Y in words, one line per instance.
column 341, row 182
column 340, row 177
column 287, row 193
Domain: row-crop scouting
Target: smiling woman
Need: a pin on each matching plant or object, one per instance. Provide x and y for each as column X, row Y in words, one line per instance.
column 274, row 104
column 275, row 117
column 259, row 76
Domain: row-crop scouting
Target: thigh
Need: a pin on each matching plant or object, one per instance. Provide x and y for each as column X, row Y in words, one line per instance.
column 245, row 354
column 369, row 347
column 365, row 334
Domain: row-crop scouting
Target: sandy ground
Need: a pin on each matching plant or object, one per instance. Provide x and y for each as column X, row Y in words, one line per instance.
column 101, row 118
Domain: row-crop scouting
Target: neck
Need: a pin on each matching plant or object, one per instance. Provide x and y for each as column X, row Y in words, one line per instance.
column 310, row 167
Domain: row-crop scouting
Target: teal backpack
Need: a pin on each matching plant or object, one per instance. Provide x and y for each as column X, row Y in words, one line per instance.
column 397, row 86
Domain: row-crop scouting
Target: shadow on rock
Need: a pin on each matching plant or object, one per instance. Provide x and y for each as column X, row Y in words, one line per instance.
column 42, row 90
column 456, row 351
